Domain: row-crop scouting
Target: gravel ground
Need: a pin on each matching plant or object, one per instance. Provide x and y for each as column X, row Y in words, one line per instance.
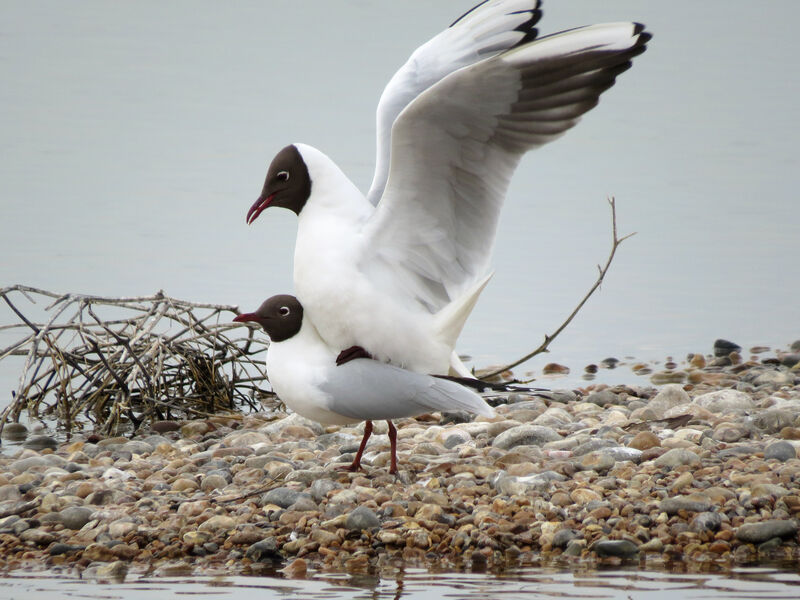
column 704, row 469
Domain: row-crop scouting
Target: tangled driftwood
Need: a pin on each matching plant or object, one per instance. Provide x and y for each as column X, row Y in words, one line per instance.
column 119, row 362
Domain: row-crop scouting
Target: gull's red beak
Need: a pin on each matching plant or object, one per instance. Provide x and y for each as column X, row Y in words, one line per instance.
column 258, row 207
column 245, row 317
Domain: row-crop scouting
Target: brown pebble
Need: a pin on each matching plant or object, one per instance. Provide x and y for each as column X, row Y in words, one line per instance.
column 644, row 440
column 555, row 369
column 790, row 433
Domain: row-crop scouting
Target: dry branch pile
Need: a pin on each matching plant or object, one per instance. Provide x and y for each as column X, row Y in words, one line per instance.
column 119, row 362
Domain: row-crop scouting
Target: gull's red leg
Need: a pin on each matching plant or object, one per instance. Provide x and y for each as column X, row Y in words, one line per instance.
column 356, row 464
column 393, row 443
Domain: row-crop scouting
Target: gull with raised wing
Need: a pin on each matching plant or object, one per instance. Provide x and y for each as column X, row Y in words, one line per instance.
column 397, row 272
column 303, row 373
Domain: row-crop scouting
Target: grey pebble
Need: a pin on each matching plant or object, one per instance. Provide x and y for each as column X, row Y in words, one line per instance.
column 603, row 398
column 619, row 548
column 724, row 347
column 525, row 435
column 15, row 432
column 672, row 505
column 320, row 488
column 564, row 536
column 781, row 451
column 75, row 517
column 40, row 442
column 264, row 551
column 676, row 457
column 282, row 496
column 705, row 521
column 756, row 533
column 592, row 446
column 362, row 518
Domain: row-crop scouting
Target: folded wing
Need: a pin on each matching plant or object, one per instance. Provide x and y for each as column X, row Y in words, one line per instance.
column 456, row 146
column 367, row 389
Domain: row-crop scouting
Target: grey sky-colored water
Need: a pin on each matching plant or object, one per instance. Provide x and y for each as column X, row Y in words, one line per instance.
column 135, row 136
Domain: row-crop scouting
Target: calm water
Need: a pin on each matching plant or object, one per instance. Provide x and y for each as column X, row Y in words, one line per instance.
column 134, row 136
column 416, row 584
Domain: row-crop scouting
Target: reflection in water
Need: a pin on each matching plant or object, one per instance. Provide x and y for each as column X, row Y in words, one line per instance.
column 775, row 582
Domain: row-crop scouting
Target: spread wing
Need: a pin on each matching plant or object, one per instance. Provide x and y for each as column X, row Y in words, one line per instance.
column 455, row 148
column 368, row 389
column 487, row 29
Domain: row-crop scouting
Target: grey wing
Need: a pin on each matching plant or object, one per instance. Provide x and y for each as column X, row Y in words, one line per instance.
column 456, row 146
column 487, row 29
column 370, row 390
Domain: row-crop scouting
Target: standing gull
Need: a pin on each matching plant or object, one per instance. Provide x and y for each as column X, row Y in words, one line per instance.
column 397, row 272
column 303, row 372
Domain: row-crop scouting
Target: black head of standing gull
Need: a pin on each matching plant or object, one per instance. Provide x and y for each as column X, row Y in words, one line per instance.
column 397, row 271
column 304, row 374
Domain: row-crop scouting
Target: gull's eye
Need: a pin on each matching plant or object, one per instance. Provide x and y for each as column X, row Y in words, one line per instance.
column 284, row 311
column 282, row 176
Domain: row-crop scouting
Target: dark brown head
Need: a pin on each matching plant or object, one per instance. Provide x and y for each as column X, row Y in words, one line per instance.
column 280, row 316
column 288, row 184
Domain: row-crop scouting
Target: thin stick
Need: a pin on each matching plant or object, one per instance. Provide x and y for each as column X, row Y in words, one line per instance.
column 602, row 273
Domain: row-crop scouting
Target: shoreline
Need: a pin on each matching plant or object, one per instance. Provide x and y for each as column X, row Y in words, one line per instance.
column 705, row 471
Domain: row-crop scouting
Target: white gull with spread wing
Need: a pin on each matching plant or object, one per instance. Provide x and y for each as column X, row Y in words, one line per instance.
column 397, row 272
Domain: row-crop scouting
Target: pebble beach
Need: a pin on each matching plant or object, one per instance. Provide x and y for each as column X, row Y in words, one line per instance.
column 697, row 462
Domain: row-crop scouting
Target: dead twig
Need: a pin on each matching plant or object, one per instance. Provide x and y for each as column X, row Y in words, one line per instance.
column 548, row 338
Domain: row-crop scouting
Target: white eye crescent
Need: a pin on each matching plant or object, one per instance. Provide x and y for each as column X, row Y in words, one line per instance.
column 284, row 311
column 282, row 175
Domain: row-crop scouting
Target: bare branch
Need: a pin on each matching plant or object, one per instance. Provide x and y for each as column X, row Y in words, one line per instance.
column 548, row 338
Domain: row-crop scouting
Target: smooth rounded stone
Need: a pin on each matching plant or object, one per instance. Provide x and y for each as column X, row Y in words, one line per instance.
column 691, row 503
column 40, row 442
column 790, row 360
column 668, row 377
column 725, row 401
column 730, row 432
column 362, row 518
column 165, row 426
column 183, row 484
column 320, row 488
column 241, row 439
column 554, row 416
column 670, row 396
column 774, row 378
column 603, row 398
column 197, row 428
column 595, row 461
column 304, row 504
column 27, row 464
column 456, row 437
column 218, row 523
column 583, row 496
column 306, row 476
column 264, row 551
column 510, row 485
column 737, row 451
column 617, row 548
column 563, row 537
column 122, row 527
column 213, row 482
column 525, row 435
column 653, row 545
column 276, row 427
column 706, row 521
column 623, row 453
column 15, row 432
column 75, row 517
column 773, row 420
column 644, row 440
column 257, row 462
column 137, row 447
column 761, row 490
column 282, row 496
column 9, row 491
column 756, row 533
column 781, row 451
column 676, row 457
column 37, row 536
column 60, row 548
column 592, row 446
column 724, row 347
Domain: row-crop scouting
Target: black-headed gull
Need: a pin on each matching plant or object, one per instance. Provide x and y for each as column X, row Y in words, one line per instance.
column 303, row 373
column 397, row 272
